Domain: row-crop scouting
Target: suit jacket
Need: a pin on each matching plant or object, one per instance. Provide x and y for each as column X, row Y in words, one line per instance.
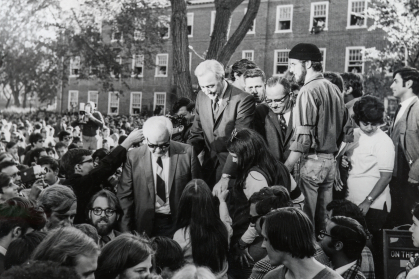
column 236, row 111
column 136, row 190
column 267, row 124
column 405, row 133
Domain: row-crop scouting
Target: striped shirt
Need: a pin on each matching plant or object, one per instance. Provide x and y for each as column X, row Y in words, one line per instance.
column 319, row 117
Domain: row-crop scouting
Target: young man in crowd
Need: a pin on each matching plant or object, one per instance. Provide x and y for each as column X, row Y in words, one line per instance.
column 254, row 81
column 85, row 179
column 343, row 241
column 104, row 214
column 94, row 122
column 320, row 116
column 274, row 120
column 7, row 188
column 65, row 137
column 61, row 148
column 10, row 168
column 36, row 141
column 51, row 167
column 153, row 179
column 237, row 71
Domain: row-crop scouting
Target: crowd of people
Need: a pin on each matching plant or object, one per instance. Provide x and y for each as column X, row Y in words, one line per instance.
column 285, row 177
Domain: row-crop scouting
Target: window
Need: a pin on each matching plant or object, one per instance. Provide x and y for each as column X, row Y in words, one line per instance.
column 190, row 24
column 253, row 28
column 323, row 52
column 318, row 17
column 248, row 54
column 116, row 69
column 212, row 21
column 284, row 18
column 93, row 96
column 159, row 103
column 135, row 104
column 161, row 65
column 75, row 66
column 113, row 103
column 139, row 35
column 117, row 35
column 164, row 27
column 138, row 66
column 356, row 13
column 281, row 62
column 354, row 62
column 73, row 99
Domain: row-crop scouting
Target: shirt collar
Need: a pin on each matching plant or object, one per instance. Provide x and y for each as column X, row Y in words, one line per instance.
column 224, row 90
column 165, row 156
column 3, row 250
column 313, row 77
column 407, row 101
column 345, row 267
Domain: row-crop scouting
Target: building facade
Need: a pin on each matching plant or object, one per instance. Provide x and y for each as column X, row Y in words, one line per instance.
column 339, row 28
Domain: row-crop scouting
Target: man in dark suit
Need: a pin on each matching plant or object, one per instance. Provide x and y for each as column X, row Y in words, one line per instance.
column 274, row 120
column 405, row 135
column 220, row 108
column 153, row 179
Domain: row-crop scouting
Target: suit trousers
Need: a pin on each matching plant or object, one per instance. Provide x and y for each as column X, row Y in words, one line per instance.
column 163, row 225
column 317, row 174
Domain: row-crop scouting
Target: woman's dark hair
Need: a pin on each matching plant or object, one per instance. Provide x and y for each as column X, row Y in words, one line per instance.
column 20, row 249
column 168, row 253
column 368, row 109
column 100, row 153
column 290, row 230
column 355, row 81
column 269, row 198
column 208, row 234
column 334, row 78
column 182, row 102
column 123, row 252
column 252, row 151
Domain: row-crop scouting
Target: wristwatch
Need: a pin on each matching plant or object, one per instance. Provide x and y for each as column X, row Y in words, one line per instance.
column 370, row 199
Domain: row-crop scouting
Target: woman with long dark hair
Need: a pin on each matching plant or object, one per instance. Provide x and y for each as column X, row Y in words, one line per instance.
column 257, row 168
column 201, row 233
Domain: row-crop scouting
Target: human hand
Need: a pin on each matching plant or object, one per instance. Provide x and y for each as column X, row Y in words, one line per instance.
column 243, row 256
column 222, row 195
column 411, row 180
column 364, row 207
column 221, row 186
column 88, row 114
column 136, row 136
column 411, row 263
column 345, row 162
column 36, row 189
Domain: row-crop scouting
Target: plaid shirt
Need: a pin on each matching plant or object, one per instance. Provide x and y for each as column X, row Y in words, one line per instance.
column 262, row 267
column 354, row 271
column 367, row 265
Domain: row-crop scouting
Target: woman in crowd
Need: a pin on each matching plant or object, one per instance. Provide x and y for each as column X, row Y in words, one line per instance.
column 370, row 159
column 201, row 233
column 257, row 168
column 125, row 257
column 12, row 148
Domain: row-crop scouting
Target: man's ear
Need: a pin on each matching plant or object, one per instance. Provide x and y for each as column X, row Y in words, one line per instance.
column 408, row 84
column 349, row 90
column 16, row 232
column 338, row 246
column 308, row 64
column 77, row 168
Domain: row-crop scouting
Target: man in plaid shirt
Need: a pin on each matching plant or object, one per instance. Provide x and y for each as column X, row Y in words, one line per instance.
column 343, row 241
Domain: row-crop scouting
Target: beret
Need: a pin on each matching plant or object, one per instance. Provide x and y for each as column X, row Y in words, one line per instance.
column 306, row 52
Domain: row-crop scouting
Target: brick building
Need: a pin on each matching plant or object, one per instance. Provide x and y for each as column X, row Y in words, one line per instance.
column 339, row 28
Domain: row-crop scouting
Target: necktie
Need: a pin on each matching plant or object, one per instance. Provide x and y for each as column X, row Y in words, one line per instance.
column 283, row 125
column 395, row 114
column 105, row 239
column 215, row 107
column 161, row 185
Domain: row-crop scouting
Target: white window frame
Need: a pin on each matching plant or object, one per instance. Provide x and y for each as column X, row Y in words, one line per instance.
column 72, row 65
column 157, row 74
column 76, row 92
column 89, row 98
column 248, row 51
column 323, row 49
column 109, row 102
column 276, row 59
column 278, row 8
column 190, row 19
column 362, row 48
column 139, row 35
column 348, row 26
column 133, row 66
column 326, row 25
column 155, row 100
column 253, row 30
column 115, row 30
column 131, row 102
column 212, row 23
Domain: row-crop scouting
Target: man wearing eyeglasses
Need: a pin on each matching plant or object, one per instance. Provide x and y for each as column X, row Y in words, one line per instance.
column 85, row 179
column 104, row 214
column 274, row 119
column 153, row 179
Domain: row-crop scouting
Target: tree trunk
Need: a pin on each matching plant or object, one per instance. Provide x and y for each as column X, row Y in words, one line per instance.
column 15, row 93
column 180, row 42
column 230, row 47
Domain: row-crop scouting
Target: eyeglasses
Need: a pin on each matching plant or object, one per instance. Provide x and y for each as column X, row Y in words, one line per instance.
column 67, row 138
column 161, row 146
column 86, row 161
column 281, row 101
column 98, row 211
column 323, row 233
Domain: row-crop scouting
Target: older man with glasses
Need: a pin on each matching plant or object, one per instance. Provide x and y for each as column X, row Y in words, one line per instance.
column 153, row 179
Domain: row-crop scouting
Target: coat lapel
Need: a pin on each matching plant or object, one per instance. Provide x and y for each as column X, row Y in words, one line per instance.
column 148, row 169
column 289, row 129
column 274, row 119
column 174, row 156
column 224, row 103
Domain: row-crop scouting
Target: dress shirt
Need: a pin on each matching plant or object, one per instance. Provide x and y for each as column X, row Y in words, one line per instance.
column 3, row 250
column 344, row 268
column 403, row 107
column 165, row 209
column 287, row 116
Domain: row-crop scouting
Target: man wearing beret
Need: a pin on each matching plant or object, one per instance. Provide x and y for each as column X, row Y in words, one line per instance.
column 319, row 116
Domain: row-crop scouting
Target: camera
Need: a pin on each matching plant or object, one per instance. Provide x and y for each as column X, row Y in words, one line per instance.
column 82, row 112
column 32, row 174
